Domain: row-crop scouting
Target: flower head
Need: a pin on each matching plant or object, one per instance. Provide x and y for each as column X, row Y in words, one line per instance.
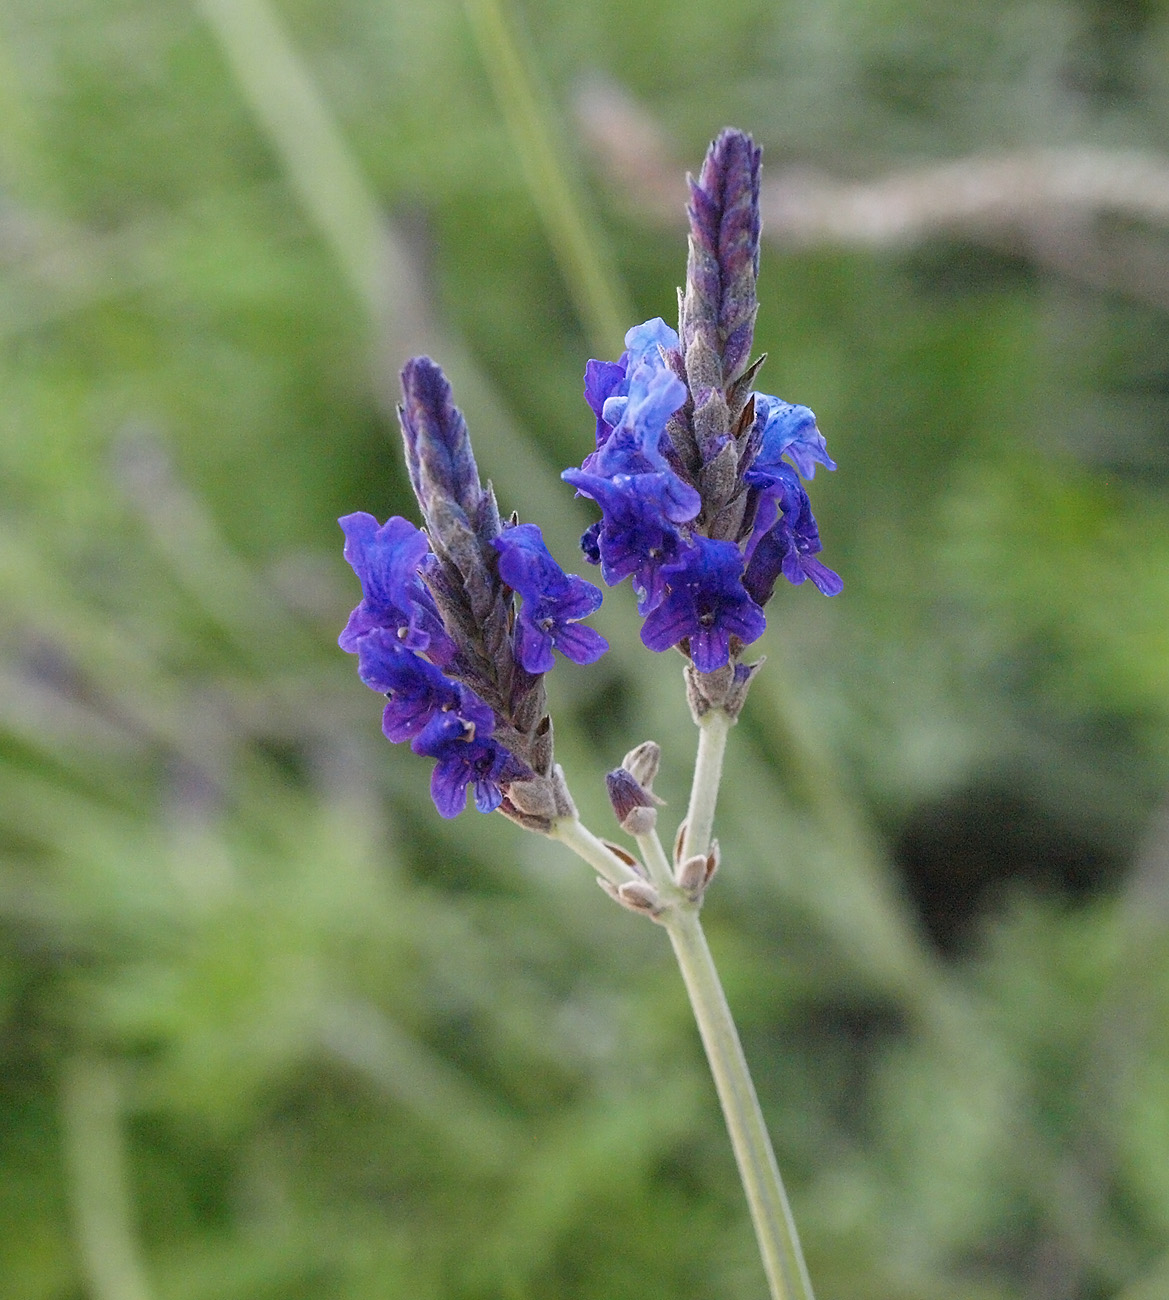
column 438, row 631
column 697, row 475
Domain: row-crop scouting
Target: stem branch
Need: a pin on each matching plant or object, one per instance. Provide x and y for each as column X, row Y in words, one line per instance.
column 577, row 837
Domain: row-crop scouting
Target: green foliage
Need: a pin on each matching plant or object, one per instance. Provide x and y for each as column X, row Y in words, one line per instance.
column 271, row 1031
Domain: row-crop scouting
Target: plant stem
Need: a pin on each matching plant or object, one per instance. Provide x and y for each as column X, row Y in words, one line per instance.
column 708, row 766
column 775, row 1230
column 577, row 837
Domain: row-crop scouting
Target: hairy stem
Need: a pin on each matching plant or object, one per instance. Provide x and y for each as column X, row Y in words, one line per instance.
column 775, row 1230
column 574, row 835
column 708, row 766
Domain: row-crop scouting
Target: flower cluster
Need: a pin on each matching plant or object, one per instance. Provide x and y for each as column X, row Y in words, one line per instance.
column 697, row 476
column 438, row 631
column 699, row 482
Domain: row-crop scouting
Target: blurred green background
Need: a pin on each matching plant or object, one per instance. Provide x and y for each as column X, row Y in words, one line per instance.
column 269, row 1029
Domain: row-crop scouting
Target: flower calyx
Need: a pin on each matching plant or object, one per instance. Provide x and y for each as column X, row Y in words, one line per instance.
column 633, row 804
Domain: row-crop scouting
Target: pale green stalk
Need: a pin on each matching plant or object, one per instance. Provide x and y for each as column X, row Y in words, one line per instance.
column 708, row 767
column 775, row 1230
column 576, row 836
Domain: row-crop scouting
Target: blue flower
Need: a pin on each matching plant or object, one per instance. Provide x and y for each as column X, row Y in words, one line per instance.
column 789, row 430
column 553, row 602
column 639, row 423
column 417, row 690
column 706, row 603
column 467, row 756
column 637, row 533
column 387, row 559
column 790, row 547
column 632, row 400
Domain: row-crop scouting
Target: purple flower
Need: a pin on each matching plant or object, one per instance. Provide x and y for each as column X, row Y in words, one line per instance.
column 467, row 756
column 553, row 602
column 789, row 547
column 632, row 399
column 637, row 534
column 791, row 431
column 387, row 559
column 706, row 603
column 417, row 690
column 639, row 423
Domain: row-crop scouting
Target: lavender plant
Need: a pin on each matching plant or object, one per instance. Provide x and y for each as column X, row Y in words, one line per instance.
column 698, row 478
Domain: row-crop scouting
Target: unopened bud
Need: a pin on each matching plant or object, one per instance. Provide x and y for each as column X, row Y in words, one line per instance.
column 640, row 821
column 642, row 763
column 632, row 802
column 693, row 875
column 636, row 895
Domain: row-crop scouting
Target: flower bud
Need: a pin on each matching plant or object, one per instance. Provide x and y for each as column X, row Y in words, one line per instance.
column 632, row 803
column 636, row 895
column 642, row 763
column 693, row 875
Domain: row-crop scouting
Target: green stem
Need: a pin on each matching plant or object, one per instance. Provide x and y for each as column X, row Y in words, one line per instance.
column 657, row 864
column 708, row 766
column 775, row 1230
column 577, row 837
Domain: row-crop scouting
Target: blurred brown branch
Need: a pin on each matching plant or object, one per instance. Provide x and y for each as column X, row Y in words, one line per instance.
column 1043, row 203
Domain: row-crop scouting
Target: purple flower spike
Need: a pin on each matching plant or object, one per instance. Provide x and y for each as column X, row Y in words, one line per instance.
column 467, row 756
column 707, row 603
column 723, row 266
column 553, row 602
column 387, row 559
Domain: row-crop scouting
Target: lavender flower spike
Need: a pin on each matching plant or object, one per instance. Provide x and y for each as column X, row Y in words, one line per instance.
column 719, row 305
column 460, row 514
